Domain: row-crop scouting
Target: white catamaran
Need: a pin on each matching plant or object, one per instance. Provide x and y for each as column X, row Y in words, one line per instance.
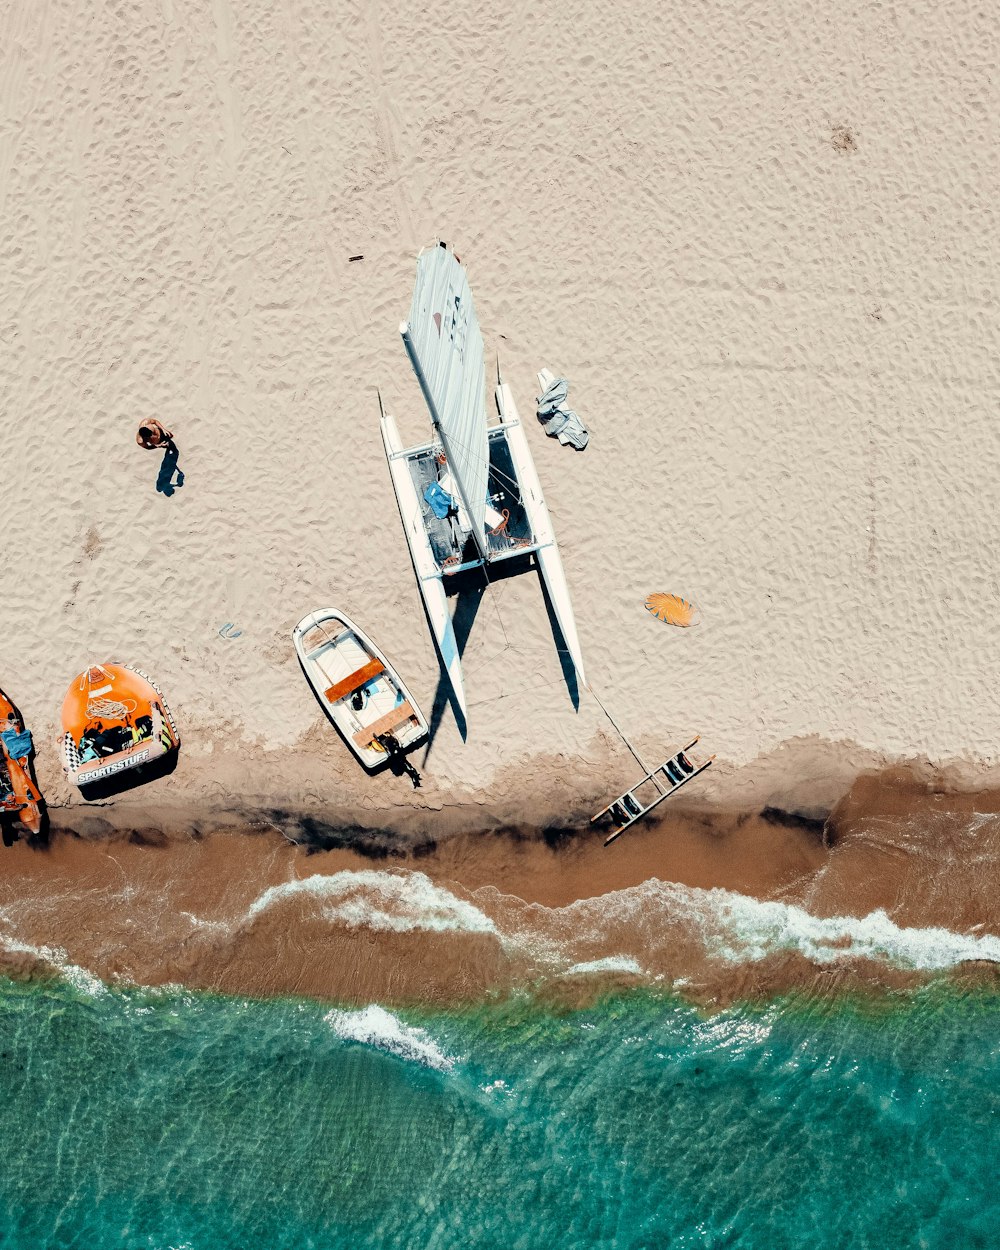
column 470, row 498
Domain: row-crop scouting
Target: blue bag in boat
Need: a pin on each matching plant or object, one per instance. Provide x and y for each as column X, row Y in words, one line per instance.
column 440, row 501
column 17, row 743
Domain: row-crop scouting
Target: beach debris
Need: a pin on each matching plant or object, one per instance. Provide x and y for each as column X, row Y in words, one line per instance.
column 360, row 256
column 844, row 139
column 658, row 784
column 557, row 420
column 229, row 630
column 673, row 610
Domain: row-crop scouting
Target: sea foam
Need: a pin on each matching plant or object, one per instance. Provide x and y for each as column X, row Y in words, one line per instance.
column 739, row 929
column 55, row 957
column 610, row 963
column 398, row 902
column 374, row 1026
column 753, row 929
column 612, row 932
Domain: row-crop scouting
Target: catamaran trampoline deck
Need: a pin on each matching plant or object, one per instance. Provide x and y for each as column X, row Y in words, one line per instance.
column 445, row 534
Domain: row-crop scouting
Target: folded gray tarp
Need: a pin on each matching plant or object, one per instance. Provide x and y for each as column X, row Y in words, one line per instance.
column 557, row 420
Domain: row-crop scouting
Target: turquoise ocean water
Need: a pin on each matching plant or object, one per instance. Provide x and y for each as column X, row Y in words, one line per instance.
column 155, row 1120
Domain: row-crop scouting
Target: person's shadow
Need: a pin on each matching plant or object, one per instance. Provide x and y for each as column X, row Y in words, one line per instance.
column 165, row 483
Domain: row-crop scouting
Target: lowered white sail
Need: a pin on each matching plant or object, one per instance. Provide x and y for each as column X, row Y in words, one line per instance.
column 445, row 347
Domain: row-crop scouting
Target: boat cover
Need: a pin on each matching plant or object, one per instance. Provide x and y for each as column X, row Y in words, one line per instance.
column 557, row 419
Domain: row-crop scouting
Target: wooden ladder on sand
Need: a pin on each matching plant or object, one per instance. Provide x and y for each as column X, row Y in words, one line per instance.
column 660, row 784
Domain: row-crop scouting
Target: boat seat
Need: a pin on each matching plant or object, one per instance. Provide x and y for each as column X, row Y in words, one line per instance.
column 360, row 677
column 385, row 724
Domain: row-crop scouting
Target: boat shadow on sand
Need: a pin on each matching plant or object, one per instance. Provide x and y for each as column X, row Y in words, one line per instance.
column 130, row 778
column 469, row 589
column 11, row 831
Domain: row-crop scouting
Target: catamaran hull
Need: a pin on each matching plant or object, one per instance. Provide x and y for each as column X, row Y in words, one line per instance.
column 430, row 579
column 550, row 563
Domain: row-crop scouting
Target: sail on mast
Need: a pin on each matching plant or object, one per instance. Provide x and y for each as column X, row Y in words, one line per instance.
column 445, row 347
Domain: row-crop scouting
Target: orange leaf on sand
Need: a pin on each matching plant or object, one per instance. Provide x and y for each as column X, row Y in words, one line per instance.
column 673, row 609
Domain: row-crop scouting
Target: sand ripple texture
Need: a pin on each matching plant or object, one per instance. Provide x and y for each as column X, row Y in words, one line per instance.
column 762, row 251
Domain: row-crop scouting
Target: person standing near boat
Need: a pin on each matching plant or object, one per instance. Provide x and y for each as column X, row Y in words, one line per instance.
column 397, row 758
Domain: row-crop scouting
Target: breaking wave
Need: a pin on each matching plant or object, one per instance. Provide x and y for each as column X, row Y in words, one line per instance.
column 428, row 938
column 374, row 1026
column 739, row 929
column 758, row 929
column 610, row 963
column 59, row 961
column 637, row 931
column 397, row 902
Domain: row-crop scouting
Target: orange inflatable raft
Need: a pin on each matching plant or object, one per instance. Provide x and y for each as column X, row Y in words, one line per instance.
column 19, row 796
column 114, row 717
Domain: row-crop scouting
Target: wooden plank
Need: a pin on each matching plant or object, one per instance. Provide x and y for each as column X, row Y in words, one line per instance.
column 652, row 777
column 384, row 724
column 360, row 677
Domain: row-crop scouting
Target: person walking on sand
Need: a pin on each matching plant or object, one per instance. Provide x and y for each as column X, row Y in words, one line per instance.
column 152, row 435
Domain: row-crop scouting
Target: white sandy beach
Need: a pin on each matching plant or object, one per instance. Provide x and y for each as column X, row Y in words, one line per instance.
column 761, row 243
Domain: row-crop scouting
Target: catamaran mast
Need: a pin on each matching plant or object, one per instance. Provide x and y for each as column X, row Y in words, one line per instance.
column 404, row 330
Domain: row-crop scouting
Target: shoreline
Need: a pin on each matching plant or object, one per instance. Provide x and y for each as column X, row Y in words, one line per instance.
column 879, row 892
column 802, row 780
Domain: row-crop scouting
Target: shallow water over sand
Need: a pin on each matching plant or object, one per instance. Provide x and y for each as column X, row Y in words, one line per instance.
column 691, row 1040
column 731, row 907
column 170, row 1119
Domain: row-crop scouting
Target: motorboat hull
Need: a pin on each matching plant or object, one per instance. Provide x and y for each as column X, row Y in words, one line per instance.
column 357, row 687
